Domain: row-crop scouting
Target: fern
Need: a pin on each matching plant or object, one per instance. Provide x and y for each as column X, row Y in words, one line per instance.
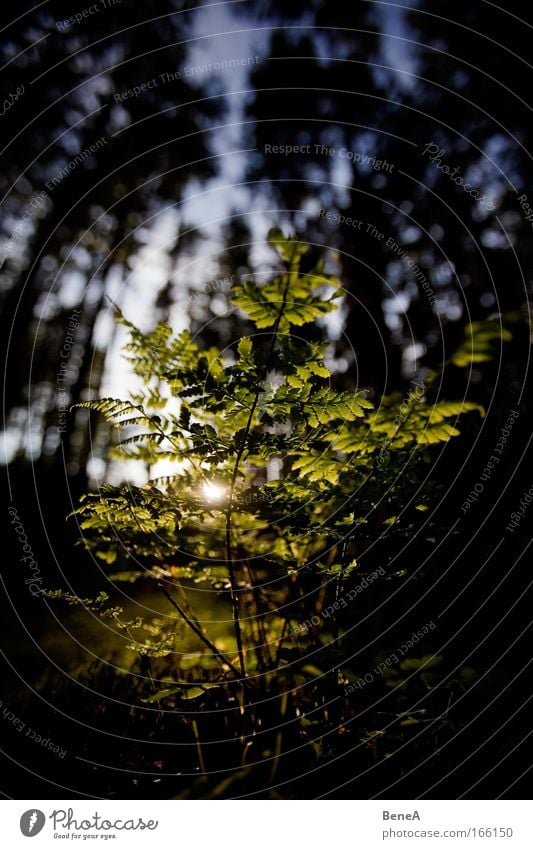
column 270, row 406
column 478, row 344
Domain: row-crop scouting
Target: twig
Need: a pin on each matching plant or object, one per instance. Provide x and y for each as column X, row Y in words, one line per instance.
column 224, row 660
column 199, row 747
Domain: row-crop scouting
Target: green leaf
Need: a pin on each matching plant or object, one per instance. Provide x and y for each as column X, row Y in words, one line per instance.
column 437, row 433
column 108, row 556
column 317, row 466
column 450, row 409
column 326, row 406
column 478, row 344
column 245, row 348
column 162, row 694
column 186, row 693
column 288, row 248
column 196, row 692
column 312, row 671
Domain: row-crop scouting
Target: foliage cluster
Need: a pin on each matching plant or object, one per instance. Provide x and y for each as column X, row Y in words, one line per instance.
column 283, row 491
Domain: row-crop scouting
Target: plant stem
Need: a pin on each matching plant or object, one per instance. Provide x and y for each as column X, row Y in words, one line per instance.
column 198, row 747
column 338, row 585
column 199, row 633
column 238, row 457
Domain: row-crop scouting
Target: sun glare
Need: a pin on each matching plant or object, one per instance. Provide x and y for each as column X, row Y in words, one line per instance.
column 213, row 492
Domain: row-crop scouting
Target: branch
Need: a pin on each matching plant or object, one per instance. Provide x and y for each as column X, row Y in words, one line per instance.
column 199, row 633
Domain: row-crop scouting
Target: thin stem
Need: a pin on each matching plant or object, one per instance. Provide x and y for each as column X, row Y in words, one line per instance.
column 198, row 747
column 262, row 647
column 163, row 433
column 279, row 738
column 338, row 584
column 229, row 550
column 238, row 457
column 280, row 644
column 199, row 633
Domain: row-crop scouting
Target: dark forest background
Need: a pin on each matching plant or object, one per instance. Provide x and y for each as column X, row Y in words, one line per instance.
column 178, row 199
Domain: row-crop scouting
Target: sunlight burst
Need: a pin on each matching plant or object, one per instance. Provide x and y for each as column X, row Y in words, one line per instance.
column 213, row 491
